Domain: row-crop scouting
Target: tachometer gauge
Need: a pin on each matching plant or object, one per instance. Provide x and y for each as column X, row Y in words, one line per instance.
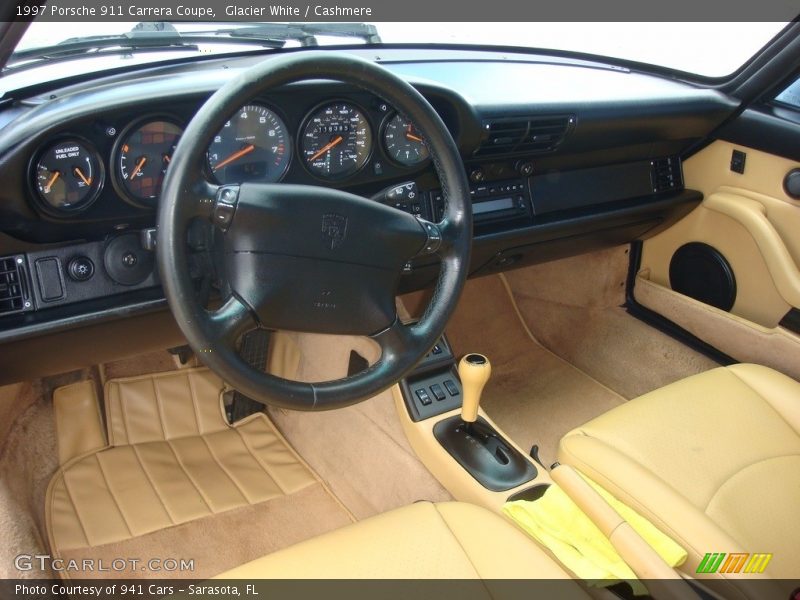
column 403, row 143
column 336, row 141
column 252, row 146
column 142, row 158
column 69, row 175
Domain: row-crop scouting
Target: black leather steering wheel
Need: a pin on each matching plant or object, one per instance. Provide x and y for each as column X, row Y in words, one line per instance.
column 308, row 258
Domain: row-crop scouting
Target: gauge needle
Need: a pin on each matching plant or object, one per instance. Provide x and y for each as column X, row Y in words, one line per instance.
column 234, row 156
column 325, row 148
column 413, row 137
column 80, row 174
column 138, row 167
column 51, row 181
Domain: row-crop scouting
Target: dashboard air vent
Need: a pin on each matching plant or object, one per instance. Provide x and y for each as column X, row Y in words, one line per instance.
column 665, row 174
column 524, row 134
column 13, row 285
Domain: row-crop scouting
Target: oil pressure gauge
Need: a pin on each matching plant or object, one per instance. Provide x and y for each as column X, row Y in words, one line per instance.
column 68, row 175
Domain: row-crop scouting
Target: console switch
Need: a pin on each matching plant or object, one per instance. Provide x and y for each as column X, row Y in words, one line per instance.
column 451, row 387
column 423, row 396
column 437, row 392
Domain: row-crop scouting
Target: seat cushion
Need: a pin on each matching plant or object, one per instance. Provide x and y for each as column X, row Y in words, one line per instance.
column 419, row 541
column 713, row 460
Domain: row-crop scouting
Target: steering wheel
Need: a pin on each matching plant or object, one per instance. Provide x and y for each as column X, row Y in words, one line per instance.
column 308, row 258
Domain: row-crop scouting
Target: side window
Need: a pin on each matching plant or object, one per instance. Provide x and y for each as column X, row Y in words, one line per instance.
column 791, row 95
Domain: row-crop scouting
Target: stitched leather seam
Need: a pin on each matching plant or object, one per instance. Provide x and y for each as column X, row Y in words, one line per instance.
column 158, row 408
column 124, row 415
column 261, row 462
column 764, row 398
column 193, row 394
column 460, row 545
column 152, row 483
column 74, row 509
column 740, row 471
column 105, row 398
column 113, row 495
column 225, row 470
column 190, row 478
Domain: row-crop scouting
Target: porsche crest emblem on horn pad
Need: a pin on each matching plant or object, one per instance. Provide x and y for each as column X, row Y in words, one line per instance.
column 334, row 229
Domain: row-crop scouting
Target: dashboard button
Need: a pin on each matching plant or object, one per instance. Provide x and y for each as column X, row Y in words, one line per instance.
column 80, row 268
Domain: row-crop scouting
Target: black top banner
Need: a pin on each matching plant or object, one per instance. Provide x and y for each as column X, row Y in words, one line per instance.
column 400, row 10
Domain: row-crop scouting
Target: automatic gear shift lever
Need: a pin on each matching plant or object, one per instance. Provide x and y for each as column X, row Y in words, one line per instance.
column 473, row 442
column 474, row 371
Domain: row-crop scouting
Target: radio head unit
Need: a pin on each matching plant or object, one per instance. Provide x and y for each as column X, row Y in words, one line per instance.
column 495, row 201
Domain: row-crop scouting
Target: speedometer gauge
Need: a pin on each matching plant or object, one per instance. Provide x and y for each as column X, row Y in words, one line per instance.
column 336, row 141
column 252, row 146
column 142, row 158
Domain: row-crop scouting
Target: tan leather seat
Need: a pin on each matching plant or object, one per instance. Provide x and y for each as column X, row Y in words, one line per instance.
column 713, row 460
column 450, row 540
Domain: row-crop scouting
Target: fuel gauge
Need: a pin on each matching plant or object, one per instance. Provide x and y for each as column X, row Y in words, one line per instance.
column 68, row 176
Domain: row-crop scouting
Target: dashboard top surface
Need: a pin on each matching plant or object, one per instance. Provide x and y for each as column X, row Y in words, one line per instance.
column 614, row 107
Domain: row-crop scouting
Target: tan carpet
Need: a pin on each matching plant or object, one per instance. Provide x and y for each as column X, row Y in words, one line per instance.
column 574, row 307
column 158, row 361
column 360, row 451
column 533, row 395
column 28, row 459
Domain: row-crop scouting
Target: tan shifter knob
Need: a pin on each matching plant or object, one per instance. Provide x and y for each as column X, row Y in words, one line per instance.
column 474, row 371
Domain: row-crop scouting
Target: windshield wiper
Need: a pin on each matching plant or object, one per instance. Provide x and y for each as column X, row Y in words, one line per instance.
column 306, row 33
column 163, row 36
column 131, row 41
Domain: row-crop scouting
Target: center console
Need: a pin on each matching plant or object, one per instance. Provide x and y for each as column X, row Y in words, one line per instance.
column 438, row 405
column 434, row 387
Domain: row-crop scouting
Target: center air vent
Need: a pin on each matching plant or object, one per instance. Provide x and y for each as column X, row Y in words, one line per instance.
column 13, row 285
column 524, row 134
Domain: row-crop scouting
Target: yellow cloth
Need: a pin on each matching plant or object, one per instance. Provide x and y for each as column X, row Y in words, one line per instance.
column 557, row 522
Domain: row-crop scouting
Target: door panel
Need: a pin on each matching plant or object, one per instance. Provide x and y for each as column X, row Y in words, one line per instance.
column 750, row 221
column 709, row 170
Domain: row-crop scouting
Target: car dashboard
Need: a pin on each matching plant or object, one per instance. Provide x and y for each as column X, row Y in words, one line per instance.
column 563, row 156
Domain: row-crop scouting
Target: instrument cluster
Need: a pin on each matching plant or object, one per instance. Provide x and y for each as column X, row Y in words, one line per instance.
column 333, row 142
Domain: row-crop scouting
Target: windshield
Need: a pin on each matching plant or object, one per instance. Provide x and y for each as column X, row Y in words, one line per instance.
column 705, row 49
